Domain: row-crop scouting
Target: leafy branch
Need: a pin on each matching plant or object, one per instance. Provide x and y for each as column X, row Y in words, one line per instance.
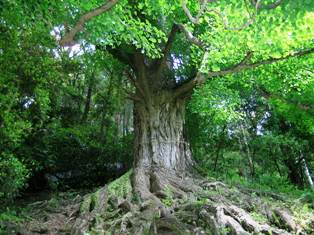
column 68, row 38
column 244, row 64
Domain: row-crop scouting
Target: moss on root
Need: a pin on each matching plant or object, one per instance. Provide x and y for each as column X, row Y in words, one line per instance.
column 90, row 202
column 85, row 205
column 121, row 187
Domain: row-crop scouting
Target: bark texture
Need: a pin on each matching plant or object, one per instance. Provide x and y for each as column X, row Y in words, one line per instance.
column 160, row 147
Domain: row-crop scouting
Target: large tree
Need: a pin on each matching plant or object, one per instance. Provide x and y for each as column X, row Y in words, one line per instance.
column 170, row 47
column 222, row 38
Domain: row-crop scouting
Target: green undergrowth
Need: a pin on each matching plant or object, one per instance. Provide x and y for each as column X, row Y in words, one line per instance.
column 262, row 182
column 300, row 202
column 121, row 187
column 11, row 216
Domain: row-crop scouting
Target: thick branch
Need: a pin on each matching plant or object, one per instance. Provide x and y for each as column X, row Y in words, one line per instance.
column 135, row 83
column 190, row 37
column 139, row 63
column 170, row 40
column 269, row 6
column 185, row 88
column 166, row 51
column 68, row 38
column 120, row 54
column 133, row 97
column 241, row 66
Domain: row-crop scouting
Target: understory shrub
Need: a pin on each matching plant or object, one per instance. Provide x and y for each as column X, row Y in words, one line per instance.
column 13, row 175
column 77, row 157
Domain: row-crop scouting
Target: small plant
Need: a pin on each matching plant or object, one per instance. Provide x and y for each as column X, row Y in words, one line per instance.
column 258, row 217
column 136, row 198
column 168, row 201
column 121, row 187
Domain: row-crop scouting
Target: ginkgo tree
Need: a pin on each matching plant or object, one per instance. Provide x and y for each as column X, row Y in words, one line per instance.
column 170, row 47
column 206, row 39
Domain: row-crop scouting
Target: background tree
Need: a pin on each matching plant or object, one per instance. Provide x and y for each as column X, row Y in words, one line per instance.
column 274, row 124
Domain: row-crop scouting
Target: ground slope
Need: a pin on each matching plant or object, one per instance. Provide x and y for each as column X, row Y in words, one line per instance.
column 210, row 208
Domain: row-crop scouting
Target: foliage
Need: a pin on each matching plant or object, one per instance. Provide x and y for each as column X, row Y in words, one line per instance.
column 258, row 125
column 13, row 176
column 23, row 99
column 121, row 187
column 168, row 200
column 57, row 110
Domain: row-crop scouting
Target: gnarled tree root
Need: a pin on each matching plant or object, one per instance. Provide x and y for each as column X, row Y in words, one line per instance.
column 192, row 207
column 235, row 220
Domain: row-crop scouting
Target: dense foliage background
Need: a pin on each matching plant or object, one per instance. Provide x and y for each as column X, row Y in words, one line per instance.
column 64, row 119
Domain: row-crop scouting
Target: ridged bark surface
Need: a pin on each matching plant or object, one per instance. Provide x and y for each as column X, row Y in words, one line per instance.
column 159, row 139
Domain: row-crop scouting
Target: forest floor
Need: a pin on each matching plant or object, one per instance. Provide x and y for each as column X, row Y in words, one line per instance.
column 242, row 210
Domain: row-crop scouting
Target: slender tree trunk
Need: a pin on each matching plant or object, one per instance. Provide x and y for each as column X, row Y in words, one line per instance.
column 127, row 118
column 294, row 172
column 219, row 146
column 248, row 152
column 307, row 172
column 88, row 98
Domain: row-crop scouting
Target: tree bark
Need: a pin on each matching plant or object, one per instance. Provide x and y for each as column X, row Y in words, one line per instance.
column 307, row 172
column 160, row 146
column 88, row 98
column 219, row 146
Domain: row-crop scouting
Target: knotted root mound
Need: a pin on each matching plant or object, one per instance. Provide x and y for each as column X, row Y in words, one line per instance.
column 179, row 205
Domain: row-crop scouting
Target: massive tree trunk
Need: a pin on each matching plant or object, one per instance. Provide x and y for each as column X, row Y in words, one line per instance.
column 160, row 147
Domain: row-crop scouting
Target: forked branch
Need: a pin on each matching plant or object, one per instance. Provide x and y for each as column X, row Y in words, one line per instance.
column 166, row 51
column 190, row 37
column 68, row 38
column 203, row 9
column 195, row 20
column 268, row 6
column 135, row 83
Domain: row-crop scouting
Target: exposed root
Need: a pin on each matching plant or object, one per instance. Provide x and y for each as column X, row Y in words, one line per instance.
column 162, row 181
column 283, row 218
column 183, row 205
column 236, row 220
column 212, row 185
column 176, row 205
column 92, row 206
